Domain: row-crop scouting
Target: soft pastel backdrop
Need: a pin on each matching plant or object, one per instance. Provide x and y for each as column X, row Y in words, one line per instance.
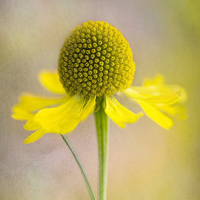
column 146, row 162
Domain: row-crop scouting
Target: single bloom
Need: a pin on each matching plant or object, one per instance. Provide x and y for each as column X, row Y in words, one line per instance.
column 95, row 63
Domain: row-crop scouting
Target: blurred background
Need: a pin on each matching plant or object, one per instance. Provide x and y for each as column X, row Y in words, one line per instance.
column 146, row 162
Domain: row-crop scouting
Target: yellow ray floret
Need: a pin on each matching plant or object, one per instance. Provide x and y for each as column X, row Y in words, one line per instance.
column 155, row 97
column 64, row 118
column 118, row 113
column 51, row 81
column 29, row 103
column 35, row 136
column 152, row 112
column 163, row 98
column 158, row 85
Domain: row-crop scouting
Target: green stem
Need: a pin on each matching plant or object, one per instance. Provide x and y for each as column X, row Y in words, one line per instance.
column 101, row 120
column 80, row 166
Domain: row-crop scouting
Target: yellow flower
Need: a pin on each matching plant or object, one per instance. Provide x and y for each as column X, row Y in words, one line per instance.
column 95, row 63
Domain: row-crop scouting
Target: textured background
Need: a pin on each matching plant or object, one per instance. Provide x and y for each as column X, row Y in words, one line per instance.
column 145, row 161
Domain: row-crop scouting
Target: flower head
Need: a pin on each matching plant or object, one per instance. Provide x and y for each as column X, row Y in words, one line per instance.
column 95, row 63
column 95, row 60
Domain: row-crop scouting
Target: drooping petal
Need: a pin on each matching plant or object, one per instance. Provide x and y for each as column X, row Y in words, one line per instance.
column 35, row 136
column 51, row 81
column 29, row 103
column 32, row 125
column 88, row 108
column 175, row 110
column 20, row 113
column 119, row 114
column 158, row 85
column 161, row 98
column 64, row 118
column 156, row 115
column 158, row 99
column 158, row 80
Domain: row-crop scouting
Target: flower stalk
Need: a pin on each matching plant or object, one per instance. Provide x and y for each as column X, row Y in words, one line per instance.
column 80, row 166
column 101, row 120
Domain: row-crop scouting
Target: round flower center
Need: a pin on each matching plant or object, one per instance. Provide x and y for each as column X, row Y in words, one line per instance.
column 95, row 60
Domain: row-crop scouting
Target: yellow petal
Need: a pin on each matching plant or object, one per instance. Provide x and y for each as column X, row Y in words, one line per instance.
column 21, row 114
column 165, row 98
column 183, row 96
column 88, row 108
column 29, row 103
column 51, row 81
column 119, row 114
column 156, row 115
column 158, row 80
column 155, row 95
column 64, row 118
column 31, row 125
column 178, row 110
column 158, row 86
column 35, row 136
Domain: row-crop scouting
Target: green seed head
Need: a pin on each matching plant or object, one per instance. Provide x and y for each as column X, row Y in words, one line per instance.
column 95, row 60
